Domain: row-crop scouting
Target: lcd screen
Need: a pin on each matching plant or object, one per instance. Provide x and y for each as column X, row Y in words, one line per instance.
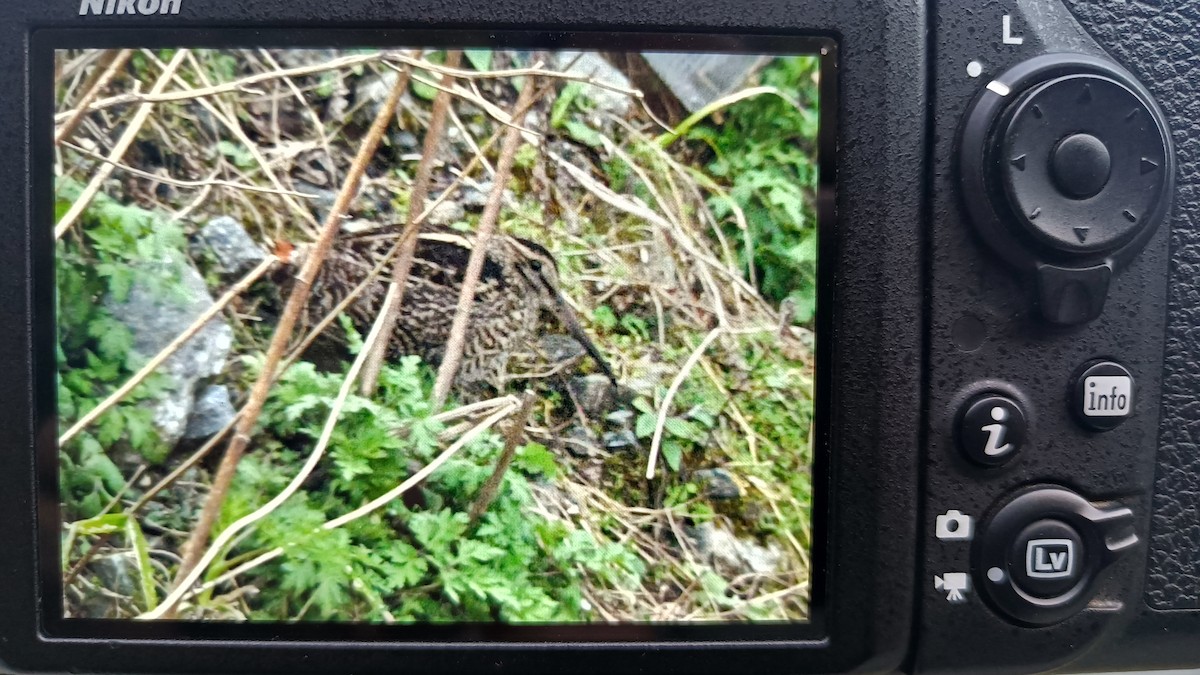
column 416, row 336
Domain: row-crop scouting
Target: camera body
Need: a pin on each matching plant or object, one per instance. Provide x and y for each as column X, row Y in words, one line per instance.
column 1009, row 418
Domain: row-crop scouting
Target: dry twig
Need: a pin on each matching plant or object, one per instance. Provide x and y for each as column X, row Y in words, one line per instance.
column 408, row 239
column 100, row 79
column 487, row 226
column 118, row 151
column 512, row 437
column 665, row 409
column 279, row 341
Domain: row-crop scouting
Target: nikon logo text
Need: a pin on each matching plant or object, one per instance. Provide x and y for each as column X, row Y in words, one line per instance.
column 143, row 7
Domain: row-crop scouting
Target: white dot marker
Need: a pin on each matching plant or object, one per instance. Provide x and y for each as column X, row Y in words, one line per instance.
column 974, row 69
column 999, row 414
column 995, row 575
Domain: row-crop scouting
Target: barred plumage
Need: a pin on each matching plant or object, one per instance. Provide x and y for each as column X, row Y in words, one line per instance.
column 517, row 286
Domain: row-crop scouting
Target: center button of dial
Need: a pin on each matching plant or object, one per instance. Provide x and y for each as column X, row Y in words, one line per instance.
column 1080, row 166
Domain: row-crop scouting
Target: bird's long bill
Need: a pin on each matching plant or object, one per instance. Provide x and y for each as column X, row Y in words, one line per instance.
column 567, row 316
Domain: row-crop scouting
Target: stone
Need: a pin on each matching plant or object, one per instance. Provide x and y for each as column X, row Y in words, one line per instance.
column 157, row 311
column 406, row 141
column 580, row 442
column 622, row 419
column 235, row 251
column 595, row 394
column 211, row 412
column 718, row 484
column 623, row 440
column 593, row 65
column 732, row 556
column 558, row 348
column 474, row 197
column 117, row 572
column 323, row 204
column 446, row 214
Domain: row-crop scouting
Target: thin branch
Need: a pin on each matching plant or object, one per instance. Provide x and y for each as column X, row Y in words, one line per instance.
column 297, row 300
column 102, row 77
column 153, row 364
column 318, row 126
column 408, row 242
column 118, row 151
column 389, row 58
column 230, row 122
column 186, row 183
column 536, row 71
column 235, row 86
column 695, row 118
column 487, row 106
column 487, row 226
column 636, row 207
column 512, row 437
column 665, row 408
column 470, row 140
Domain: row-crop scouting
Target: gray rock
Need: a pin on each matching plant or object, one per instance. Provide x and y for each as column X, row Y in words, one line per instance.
column 620, row 441
column 580, row 442
column 165, row 299
column 591, row 64
column 622, row 418
column 559, row 348
column 474, row 198
column 445, row 214
column 406, row 141
column 117, row 572
column 698, row 80
column 718, row 484
column 210, row 413
column 234, row 250
column 323, row 204
column 595, row 394
column 732, row 556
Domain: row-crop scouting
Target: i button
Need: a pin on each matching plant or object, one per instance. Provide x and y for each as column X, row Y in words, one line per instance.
column 991, row 430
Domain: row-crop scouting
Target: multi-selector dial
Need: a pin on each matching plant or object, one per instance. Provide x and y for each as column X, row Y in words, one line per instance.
column 1066, row 168
column 1081, row 161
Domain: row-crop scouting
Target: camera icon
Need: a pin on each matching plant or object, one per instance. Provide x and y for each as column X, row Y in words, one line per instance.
column 954, row 525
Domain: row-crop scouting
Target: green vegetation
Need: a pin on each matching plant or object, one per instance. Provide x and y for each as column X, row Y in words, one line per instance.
column 764, row 150
column 95, row 351
column 426, row 563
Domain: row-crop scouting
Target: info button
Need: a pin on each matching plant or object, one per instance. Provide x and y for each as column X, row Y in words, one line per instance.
column 1103, row 395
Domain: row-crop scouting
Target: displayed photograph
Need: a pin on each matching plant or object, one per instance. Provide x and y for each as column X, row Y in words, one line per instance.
column 435, row 336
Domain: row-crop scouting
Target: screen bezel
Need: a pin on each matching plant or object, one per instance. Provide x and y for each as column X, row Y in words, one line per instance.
column 870, row 529
column 46, row 43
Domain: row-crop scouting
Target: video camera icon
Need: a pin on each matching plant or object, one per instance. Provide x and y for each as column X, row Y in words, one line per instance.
column 954, row 584
column 954, row 525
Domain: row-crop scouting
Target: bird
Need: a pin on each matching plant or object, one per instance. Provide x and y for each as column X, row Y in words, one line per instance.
column 518, row 289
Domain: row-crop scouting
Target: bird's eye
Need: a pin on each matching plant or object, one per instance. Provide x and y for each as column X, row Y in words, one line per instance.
column 537, row 265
